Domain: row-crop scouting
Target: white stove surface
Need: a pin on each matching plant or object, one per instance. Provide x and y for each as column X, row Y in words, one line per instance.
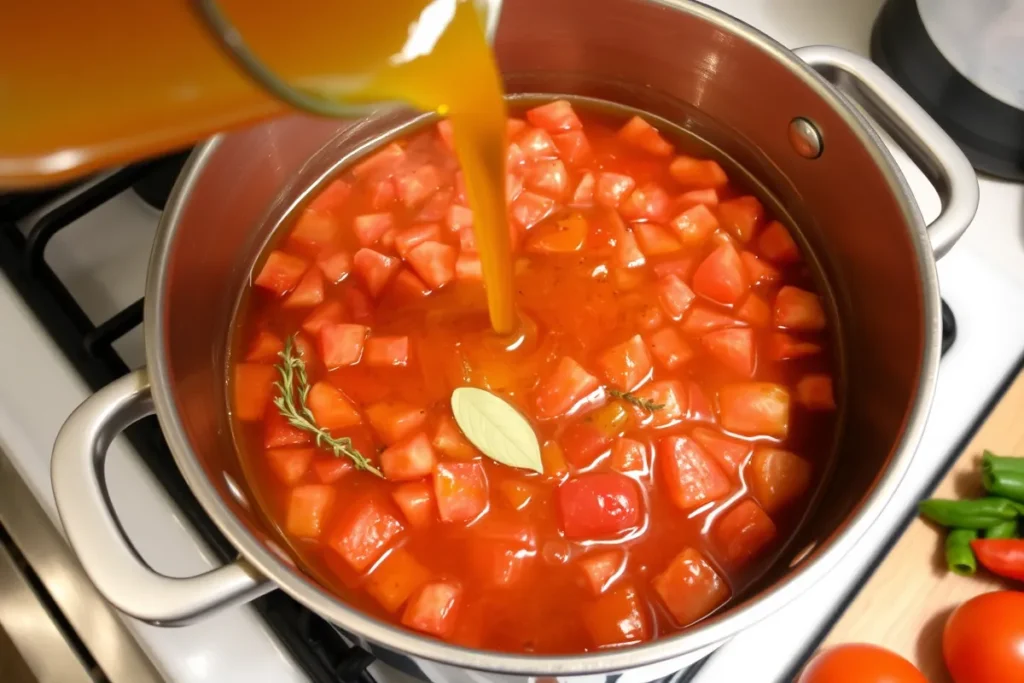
column 103, row 260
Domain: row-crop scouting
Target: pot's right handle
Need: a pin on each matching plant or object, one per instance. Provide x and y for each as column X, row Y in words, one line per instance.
column 938, row 157
column 120, row 575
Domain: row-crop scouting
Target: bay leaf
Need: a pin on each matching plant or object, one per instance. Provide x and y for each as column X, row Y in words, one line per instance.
column 497, row 429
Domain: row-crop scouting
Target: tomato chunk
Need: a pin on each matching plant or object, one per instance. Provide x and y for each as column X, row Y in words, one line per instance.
column 409, row 459
column 365, row 532
column 600, row 569
column 583, row 443
column 396, row 578
column 407, row 287
column 690, row 588
column 386, row 352
column 777, row 245
column 416, row 501
column 573, row 147
column 758, row 272
column 798, row 309
column 342, row 344
column 314, row 228
column 448, row 439
column 375, row 268
column 691, row 476
column 618, row 617
column 280, row 272
column 612, row 188
column 408, row 238
column 264, row 348
column 628, row 457
column 434, row 262
column 643, row 135
column 434, row 608
column 468, row 268
column 695, row 225
column 733, row 348
column 554, row 117
column 648, row 202
column 720, row 277
column 549, row 177
column 743, row 533
column 729, row 453
column 278, row 432
column 383, row 161
column 815, row 392
column 755, row 310
column 330, row 311
column 583, row 195
column 335, row 267
column 530, row 208
column 332, row 198
column 415, row 188
column 395, row 420
column 537, row 144
column 369, row 228
column 755, row 409
column 777, row 478
column 782, row 346
column 741, row 217
column 289, row 464
column 697, row 174
column 502, row 549
column 553, row 458
column 445, row 132
column 669, row 348
column 627, row 365
column 567, row 385
column 308, row 506
column 702, row 319
column 687, row 200
column 253, row 388
column 308, row 293
column 461, row 490
column 599, row 505
column 519, row 494
column 655, row 240
column 330, row 469
column 675, row 296
column 672, row 397
column 330, row 407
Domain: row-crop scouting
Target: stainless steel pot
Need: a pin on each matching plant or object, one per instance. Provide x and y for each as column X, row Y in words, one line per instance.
column 767, row 110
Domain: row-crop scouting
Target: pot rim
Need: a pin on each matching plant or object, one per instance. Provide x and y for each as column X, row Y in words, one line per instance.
column 691, row 640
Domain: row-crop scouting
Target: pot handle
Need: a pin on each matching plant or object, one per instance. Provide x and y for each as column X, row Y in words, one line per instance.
column 92, row 529
column 928, row 146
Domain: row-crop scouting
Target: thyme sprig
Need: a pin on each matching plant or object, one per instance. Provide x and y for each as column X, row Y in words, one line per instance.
column 645, row 403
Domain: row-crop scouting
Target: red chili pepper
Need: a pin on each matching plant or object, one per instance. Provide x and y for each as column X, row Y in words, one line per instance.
column 1002, row 556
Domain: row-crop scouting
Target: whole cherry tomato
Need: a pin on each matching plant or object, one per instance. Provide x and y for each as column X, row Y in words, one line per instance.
column 983, row 641
column 860, row 663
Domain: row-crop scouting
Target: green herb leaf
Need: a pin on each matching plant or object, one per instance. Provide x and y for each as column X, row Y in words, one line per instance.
column 496, row 428
column 294, row 385
column 645, row 403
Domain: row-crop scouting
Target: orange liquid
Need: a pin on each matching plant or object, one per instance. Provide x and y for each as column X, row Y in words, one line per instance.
column 86, row 86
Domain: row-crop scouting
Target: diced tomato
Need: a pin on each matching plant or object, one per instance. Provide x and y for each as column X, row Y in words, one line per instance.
column 599, row 505
column 434, row 262
column 601, row 568
column 617, row 618
column 289, row 464
column 408, row 238
column 692, row 477
column 396, row 578
column 743, row 532
column 411, row 458
column 342, row 344
column 675, row 297
column 436, row 207
column 265, row 348
column 461, row 490
column 728, row 452
column 382, row 161
column 698, row 406
column 583, row 196
column 253, row 387
column 387, row 352
column 434, row 608
column 549, row 177
column 304, row 350
column 782, row 346
column 688, row 200
column 336, row 266
column 358, row 303
column 720, row 277
column 627, row 365
column 332, row 198
column 382, row 193
column 583, row 443
column 528, row 209
column 558, row 237
column 798, row 309
column 680, row 267
column 387, row 240
column 695, row 225
column 697, row 174
column 553, row 458
column 758, row 272
column 513, row 127
column 565, row 386
column 648, row 202
column 611, row 419
column 513, row 186
column 643, row 135
column 733, row 347
column 815, row 392
column 755, row 409
column 755, row 311
column 468, row 268
column 628, row 457
column 650, row 317
column 501, row 550
column 741, row 217
column 444, row 131
column 448, row 439
column 554, row 117
column 407, row 287
column 669, row 348
column 518, row 493
column 655, row 240
column 329, row 312
column 573, row 147
column 416, row 501
column 514, row 156
column 330, row 469
column 307, row 508
column 612, row 188
column 395, row 420
column 415, row 188
column 777, row 245
column 690, row 588
column 281, row 271
column 375, row 269
column 702, row 319
column 671, row 395
column 467, row 240
column 537, row 144
column 777, row 478
column 278, row 432
column 330, row 407
column 314, row 229
column 368, row 228
column 459, row 218
column 366, row 530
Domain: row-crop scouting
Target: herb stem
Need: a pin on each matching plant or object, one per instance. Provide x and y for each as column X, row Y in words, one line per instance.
column 645, row 403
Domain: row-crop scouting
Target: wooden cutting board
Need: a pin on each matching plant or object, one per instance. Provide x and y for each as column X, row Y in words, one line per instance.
column 904, row 604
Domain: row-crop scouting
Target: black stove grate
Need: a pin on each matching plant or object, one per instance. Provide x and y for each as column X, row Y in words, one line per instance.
column 317, row 646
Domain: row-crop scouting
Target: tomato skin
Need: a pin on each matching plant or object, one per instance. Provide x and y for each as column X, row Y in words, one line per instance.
column 860, row 663
column 598, row 505
column 983, row 641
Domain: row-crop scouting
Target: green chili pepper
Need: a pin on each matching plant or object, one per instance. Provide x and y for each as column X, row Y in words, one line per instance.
column 1002, row 530
column 969, row 514
column 959, row 556
column 1003, row 476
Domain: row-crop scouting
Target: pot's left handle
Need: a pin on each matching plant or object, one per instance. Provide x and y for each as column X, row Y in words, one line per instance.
column 120, row 575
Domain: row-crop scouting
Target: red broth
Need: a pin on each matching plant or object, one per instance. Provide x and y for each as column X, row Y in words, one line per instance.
column 643, row 276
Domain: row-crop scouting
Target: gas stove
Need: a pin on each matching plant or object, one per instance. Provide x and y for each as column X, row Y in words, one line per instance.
column 74, row 265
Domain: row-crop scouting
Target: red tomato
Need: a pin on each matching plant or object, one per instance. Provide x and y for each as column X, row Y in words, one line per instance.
column 655, row 240
column 448, row 439
column 314, row 228
column 721, row 277
column 328, row 312
column 697, row 174
column 755, row 408
column 573, row 147
column 335, row 266
column 601, row 568
column 307, row 507
column 342, row 344
column 416, row 501
column 755, row 311
column 394, row 420
column 702, row 319
column 648, row 202
column 330, row 407
column 628, row 457
column 741, row 217
column 733, row 347
column 537, row 144
column 691, row 476
column 461, row 490
column 582, row 443
column 365, row 532
column 675, row 296
column 308, row 293
column 627, row 365
column 640, row 133
column 690, row 588
column 669, row 348
column 278, row 432
column 375, row 268
column 743, row 532
column 729, row 453
column 860, row 663
column 289, row 464
column 369, row 228
column 782, row 346
column 758, row 271
column 612, row 188
column 280, row 272
column 434, row 608
column 549, row 177
column 777, row 245
column 777, row 477
column 563, row 388
column 434, row 262
column 695, row 225
column 253, row 388
column 332, row 198
column 798, row 309
column 983, row 641
column 396, row 578
column 411, row 458
column 530, row 208
column 814, row 392
column 598, row 505
column 416, row 187
column 408, row 238
column 617, row 618
column 386, row 352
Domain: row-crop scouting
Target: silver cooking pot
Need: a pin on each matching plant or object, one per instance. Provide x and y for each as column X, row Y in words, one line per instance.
column 767, row 110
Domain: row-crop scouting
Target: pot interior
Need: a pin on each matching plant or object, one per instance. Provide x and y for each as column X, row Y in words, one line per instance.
column 720, row 85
